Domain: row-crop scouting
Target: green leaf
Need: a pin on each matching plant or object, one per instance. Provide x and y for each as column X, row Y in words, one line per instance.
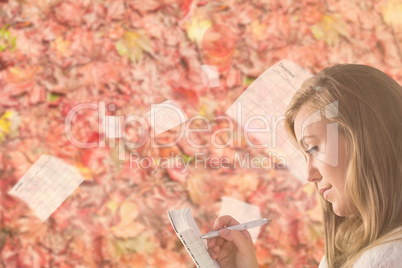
column 52, row 96
column 6, row 39
column 248, row 80
column 7, row 35
column 2, row 30
column 13, row 43
column 188, row 158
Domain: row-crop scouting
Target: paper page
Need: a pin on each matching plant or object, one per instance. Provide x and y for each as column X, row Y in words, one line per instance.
column 213, row 75
column 165, row 116
column 242, row 212
column 197, row 250
column 47, row 183
column 190, row 237
column 264, row 104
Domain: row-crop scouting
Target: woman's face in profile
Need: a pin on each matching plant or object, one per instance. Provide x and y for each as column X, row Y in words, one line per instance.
column 325, row 153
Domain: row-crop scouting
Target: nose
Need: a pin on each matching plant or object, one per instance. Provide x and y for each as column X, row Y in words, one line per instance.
column 312, row 174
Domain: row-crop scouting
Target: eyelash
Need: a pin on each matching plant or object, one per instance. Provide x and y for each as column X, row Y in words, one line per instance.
column 314, row 148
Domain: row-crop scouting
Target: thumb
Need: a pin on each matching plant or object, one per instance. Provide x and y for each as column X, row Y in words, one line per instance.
column 244, row 245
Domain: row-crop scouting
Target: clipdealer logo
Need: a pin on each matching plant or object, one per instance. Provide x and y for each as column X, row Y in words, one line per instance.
column 114, row 127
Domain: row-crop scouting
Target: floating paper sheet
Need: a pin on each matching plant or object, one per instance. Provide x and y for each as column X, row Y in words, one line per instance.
column 213, row 75
column 262, row 107
column 165, row 116
column 46, row 185
column 242, row 212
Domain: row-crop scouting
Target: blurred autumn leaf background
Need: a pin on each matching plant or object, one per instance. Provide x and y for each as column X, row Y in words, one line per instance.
column 56, row 54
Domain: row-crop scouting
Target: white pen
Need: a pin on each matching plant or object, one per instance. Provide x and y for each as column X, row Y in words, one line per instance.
column 239, row 227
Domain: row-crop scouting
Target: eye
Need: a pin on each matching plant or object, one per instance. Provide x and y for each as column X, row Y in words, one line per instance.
column 313, row 150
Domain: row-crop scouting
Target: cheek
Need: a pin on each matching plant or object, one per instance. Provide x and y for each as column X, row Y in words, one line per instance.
column 330, row 154
column 340, row 193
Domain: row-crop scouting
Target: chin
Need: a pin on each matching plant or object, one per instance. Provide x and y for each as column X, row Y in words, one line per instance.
column 341, row 212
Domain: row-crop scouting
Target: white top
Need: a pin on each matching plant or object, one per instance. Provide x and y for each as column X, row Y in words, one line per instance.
column 387, row 255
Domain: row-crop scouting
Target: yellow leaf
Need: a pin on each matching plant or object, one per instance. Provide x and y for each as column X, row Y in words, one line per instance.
column 17, row 74
column 20, row 75
column 196, row 28
column 62, row 46
column 85, row 171
column 128, row 212
column 123, row 230
column 208, row 108
column 112, row 205
column 203, row 110
column 9, row 123
column 329, row 29
column 5, row 122
column 392, row 13
column 143, row 243
column 132, row 45
column 258, row 30
column 309, row 188
column 195, row 190
column 127, row 227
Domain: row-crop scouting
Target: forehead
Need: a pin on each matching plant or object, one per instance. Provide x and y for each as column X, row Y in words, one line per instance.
column 309, row 123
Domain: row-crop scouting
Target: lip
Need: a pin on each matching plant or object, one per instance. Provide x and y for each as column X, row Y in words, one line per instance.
column 326, row 193
column 322, row 190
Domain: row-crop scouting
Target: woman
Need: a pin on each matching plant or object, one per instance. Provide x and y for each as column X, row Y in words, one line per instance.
column 347, row 121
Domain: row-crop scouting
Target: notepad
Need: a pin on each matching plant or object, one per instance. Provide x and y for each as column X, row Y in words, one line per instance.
column 189, row 234
column 46, row 184
column 268, row 97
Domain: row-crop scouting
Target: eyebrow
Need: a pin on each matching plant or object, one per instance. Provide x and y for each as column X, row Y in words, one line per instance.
column 308, row 136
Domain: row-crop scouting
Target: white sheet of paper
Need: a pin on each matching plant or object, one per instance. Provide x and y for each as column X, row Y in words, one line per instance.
column 268, row 97
column 46, row 184
column 213, row 75
column 188, row 232
column 165, row 116
column 242, row 212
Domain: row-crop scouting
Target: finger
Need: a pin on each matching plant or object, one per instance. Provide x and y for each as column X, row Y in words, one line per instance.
column 216, row 251
column 244, row 245
column 224, row 221
column 212, row 253
column 215, row 241
column 211, row 242
column 246, row 235
column 220, row 241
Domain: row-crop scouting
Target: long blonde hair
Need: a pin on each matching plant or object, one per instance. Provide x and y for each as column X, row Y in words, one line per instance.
column 370, row 118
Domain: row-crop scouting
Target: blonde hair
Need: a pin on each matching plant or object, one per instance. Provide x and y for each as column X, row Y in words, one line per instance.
column 369, row 117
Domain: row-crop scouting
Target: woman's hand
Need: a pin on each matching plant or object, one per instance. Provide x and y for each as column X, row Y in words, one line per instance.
column 233, row 249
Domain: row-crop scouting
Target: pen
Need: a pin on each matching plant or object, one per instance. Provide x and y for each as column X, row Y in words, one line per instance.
column 239, row 227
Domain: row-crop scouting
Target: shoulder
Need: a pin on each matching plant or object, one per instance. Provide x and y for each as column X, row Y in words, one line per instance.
column 387, row 255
